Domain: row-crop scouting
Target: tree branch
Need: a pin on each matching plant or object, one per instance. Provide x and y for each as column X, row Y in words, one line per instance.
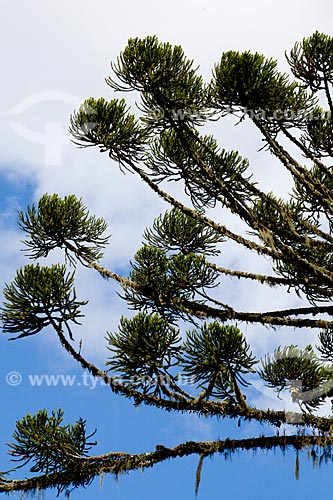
column 85, row 469
column 201, row 407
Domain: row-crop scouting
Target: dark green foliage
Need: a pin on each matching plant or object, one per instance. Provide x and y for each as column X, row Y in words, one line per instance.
column 288, row 225
column 217, row 356
column 146, row 65
column 38, row 297
column 311, row 204
column 252, row 84
column 326, row 345
column 50, row 445
column 63, row 223
column 175, row 231
column 311, row 61
column 300, row 371
column 162, row 278
column 318, row 136
column 208, row 171
column 283, row 222
column 54, row 449
column 145, row 348
column 110, row 126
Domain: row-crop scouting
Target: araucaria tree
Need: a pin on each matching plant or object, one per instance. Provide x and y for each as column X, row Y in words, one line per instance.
column 174, row 276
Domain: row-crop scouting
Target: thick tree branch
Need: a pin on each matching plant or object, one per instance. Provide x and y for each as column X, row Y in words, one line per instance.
column 205, row 311
column 85, row 469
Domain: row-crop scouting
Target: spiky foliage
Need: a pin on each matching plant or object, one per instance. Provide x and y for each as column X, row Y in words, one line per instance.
column 175, row 275
column 252, row 84
column 162, row 282
column 63, row 223
column 311, row 61
column 39, row 297
column 300, row 371
column 51, row 446
column 145, row 65
column 110, row 125
column 217, row 356
column 144, row 349
column 175, row 231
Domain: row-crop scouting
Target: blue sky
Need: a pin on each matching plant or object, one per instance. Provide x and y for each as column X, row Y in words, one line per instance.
column 53, row 55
